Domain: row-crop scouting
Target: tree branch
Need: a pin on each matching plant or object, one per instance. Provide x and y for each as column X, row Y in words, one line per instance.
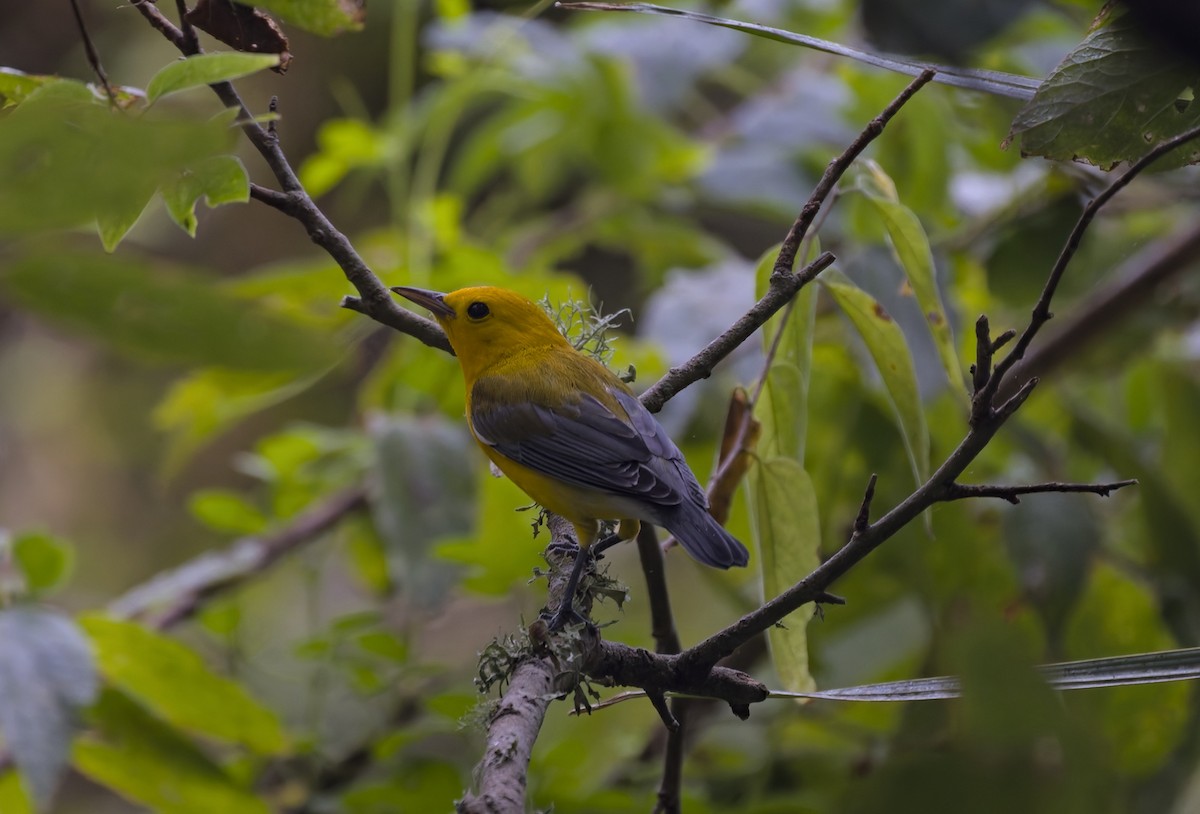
column 961, row 491
column 176, row 595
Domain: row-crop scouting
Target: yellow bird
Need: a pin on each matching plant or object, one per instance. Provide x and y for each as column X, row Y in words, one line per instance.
column 568, row 432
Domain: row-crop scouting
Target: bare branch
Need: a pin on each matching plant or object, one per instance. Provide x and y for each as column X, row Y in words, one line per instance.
column 1132, row 285
column 1041, row 310
column 960, row 491
column 512, row 730
column 93, row 56
column 176, row 595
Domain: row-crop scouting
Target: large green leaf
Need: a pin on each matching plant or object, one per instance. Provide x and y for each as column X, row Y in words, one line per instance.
column 174, row 683
column 206, row 69
column 163, row 314
column 885, row 342
column 67, row 159
column 911, row 247
column 787, row 531
column 1112, row 99
column 141, row 758
column 46, row 675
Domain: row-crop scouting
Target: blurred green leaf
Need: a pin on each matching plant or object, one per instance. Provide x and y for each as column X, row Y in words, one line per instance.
column 886, row 344
column 1139, row 91
column 787, row 532
column 219, row 180
column 226, row 511
column 911, row 247
column 44, row 560
column 324, row 17
column 163, row 314
column 13, row 799
column 68, row 159
column 16, row 86
column 206, row 69
column 146, row 761
column 46, row 675
column 115, row 223
column 422, row 785
column 174, row 683
column 1118, row 614
column 208, row 401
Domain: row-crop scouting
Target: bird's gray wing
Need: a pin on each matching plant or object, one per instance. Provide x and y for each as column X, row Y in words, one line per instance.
column 584, row 443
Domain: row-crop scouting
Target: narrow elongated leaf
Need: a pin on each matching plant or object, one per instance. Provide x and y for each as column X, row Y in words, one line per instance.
column 206, row 69
column 885, row 342
column 13, row 799
column 46, row 675
column 1119, row 671
column 139, row 757
column 174, row 683
column 787, row 531
column 911, row 247
column 998, row 83
column 163, row 314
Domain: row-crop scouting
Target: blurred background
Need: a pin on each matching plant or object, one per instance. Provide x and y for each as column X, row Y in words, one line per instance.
column 639, row 163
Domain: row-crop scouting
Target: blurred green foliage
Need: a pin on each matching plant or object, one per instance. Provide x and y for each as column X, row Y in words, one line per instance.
column 198, row 384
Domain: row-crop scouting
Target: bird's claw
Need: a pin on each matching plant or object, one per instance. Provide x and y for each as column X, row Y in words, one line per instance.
column 567, row 615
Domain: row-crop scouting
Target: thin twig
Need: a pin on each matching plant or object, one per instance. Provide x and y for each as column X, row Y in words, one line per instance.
column 93, row 56
column 176, row 595
column 960, row 491
column 1041, row 310
column 1132, row 284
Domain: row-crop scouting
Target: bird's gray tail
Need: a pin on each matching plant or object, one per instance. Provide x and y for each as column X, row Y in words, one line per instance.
column 704, row 538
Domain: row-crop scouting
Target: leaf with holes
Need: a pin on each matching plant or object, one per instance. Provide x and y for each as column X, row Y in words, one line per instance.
column 1112, row 99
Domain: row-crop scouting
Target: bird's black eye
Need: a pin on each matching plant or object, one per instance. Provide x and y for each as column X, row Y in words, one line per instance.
column 477, row 310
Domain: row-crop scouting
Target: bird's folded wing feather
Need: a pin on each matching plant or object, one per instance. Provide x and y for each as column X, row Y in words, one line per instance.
column 582, row 442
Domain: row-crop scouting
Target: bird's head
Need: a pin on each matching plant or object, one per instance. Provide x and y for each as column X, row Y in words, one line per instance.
column 484, row 323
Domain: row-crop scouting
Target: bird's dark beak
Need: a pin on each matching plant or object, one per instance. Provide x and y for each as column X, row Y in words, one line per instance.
column 433, row 300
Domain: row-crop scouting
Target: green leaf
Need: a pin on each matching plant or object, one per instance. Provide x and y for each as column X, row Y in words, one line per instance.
column 219, row 180
column 141, row 758
column 175, row 684
column 13, row 799
column 115, row 223
column 222, row 510
column 211, row 400
column 787, row 531
column 43, row 560
column 1112, row 99
column 46, row 675
column 911, row 247
column 67, row 159
column 16, row 86
column 164, row 314
column 206, row 69
column 324, row 17
column 885, row 342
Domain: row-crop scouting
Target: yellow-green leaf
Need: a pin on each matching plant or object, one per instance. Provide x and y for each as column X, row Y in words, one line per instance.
column 885, row 342
column 175, row 684
column 219, row 180
column 911, row 247
column 141, row 758
column 787, row 531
